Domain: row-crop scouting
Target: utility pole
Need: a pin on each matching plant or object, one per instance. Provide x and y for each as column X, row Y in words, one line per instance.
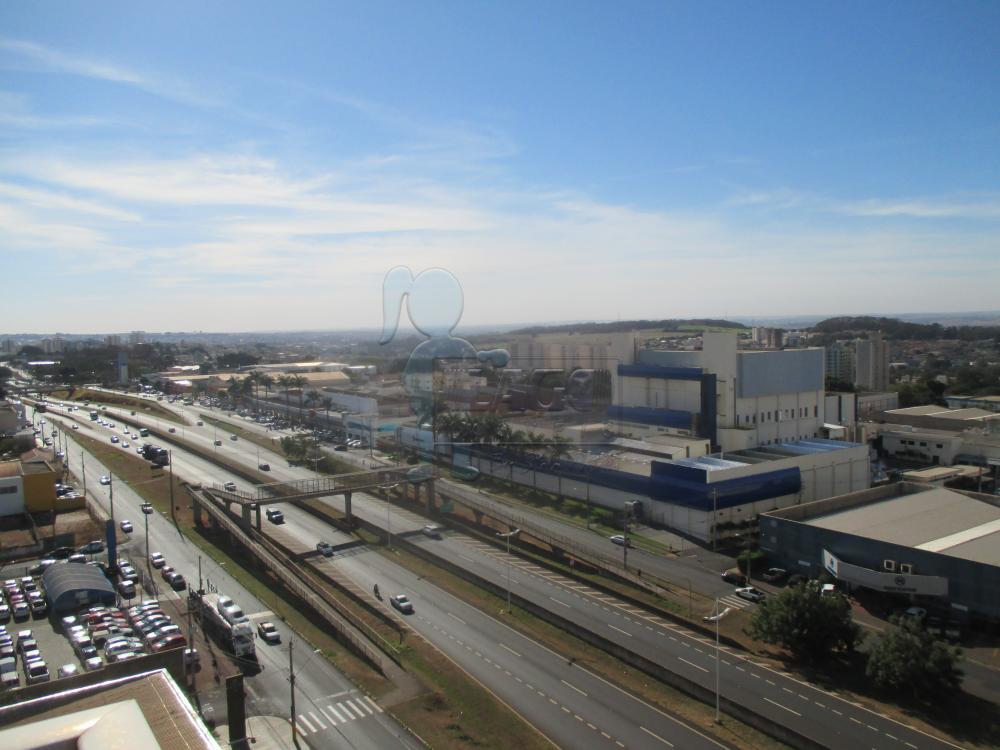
column 291, row 682
column 628, row 516
column 111, row 491
column 83, row 464
column 717, row 618
column 715, row 499
column 170, row 459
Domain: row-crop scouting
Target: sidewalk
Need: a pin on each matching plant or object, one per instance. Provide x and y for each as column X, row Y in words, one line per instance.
column 265, row 733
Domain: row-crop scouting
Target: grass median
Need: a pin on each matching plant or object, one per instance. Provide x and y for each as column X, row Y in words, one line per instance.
column 121, row 400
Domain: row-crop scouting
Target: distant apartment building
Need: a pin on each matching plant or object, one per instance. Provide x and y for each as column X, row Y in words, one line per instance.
column 112, row 340
column 840, row 362
column 871, row 363
column 7, row 346
column 795, row 339
column 766, row 338
column 137, row 337
column 566, row 352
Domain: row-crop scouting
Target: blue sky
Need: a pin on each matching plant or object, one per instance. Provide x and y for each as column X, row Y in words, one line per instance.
column 235, row 166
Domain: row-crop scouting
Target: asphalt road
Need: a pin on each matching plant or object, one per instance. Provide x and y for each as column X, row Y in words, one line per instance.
column 336, row 713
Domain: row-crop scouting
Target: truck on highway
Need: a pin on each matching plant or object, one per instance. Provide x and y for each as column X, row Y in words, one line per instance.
column 155, row 454
column 94, row 415
column 235, row 637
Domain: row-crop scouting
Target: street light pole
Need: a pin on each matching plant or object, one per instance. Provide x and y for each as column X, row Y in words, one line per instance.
column 717, row 618
column 508, row 536
column 170, row 459
column 111, row 491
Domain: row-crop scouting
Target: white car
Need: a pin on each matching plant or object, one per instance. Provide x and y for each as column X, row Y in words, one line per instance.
column 127, row 526
column 402, row 603
column 268, row 632
column 105, row 479
column 157, row 560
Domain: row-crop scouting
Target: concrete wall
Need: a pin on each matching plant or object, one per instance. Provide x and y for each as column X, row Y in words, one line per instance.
column 40, row 491
column 11, row 496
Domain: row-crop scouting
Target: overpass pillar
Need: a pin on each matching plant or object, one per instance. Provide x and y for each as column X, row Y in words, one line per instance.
column 347, row 509
column 196, row 511
column 430, row 497
column 246, row 523
column 257, row 520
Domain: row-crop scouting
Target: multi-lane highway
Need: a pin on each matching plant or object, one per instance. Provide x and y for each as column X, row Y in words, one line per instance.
column 812, row 712
column 340, row 715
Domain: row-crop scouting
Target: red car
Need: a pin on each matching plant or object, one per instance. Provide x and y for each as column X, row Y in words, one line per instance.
column 175, row 640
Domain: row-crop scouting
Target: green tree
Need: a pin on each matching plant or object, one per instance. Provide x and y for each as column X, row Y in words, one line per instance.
column 907, row 659
column 809, row 625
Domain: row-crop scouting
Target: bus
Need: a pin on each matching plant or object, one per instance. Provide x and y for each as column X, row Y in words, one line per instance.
column 93, row 415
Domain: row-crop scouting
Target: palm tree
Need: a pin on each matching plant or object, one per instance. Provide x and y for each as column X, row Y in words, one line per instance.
column 312, row 398
column 285, row 381
column 327, row 405
column 300, row 382
column 267, row 381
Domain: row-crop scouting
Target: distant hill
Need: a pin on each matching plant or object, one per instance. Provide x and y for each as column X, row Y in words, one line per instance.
column 894, row 328
column 631, row 325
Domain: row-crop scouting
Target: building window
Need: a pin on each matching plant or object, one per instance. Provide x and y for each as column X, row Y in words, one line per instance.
column 940, row 446
column 923, row 445
column 905, row 568
column 889, row 565
column 816, row 411
column 10, row 490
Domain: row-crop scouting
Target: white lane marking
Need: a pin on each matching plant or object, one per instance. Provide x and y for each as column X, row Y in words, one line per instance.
column 336, row 713
column 503, row 645
column 575, row 688
column 692, row 664
column 361, row 713
column 303, row 720
column 347, row 712
column 456, row 617
column 784, row 707
column 318, row 720
column 559, row 602
column 625, row 632
column 653, row 734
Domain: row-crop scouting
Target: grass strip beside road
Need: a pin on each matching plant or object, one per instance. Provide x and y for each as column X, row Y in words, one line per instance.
column 120, row 400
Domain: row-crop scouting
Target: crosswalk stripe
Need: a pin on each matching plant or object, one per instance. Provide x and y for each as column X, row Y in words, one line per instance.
column 374, row 704
column 337, row 713
column 317, row 720
column 333, row 722
column 360, row 713
column 305, row 721
column 299, row 727
column 346, row 710
column 365, row 707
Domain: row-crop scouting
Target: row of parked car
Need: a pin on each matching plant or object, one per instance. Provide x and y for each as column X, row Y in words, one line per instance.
column 22, row 599
column 21, row 647
column 120, row 635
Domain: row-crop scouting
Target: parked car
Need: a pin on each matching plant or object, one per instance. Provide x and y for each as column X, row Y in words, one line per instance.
column 36, row 672
column 93, row 662
column 114, row 438
column 68, row 670
column 774, row 575
column 734, row 577
column 174, row 640
column 402, row 603
column 325, row 549
column 126, row 589
column 177, row 583
column 218, row 442
column 268, row 632
column 750, row 593
column 93, row 547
